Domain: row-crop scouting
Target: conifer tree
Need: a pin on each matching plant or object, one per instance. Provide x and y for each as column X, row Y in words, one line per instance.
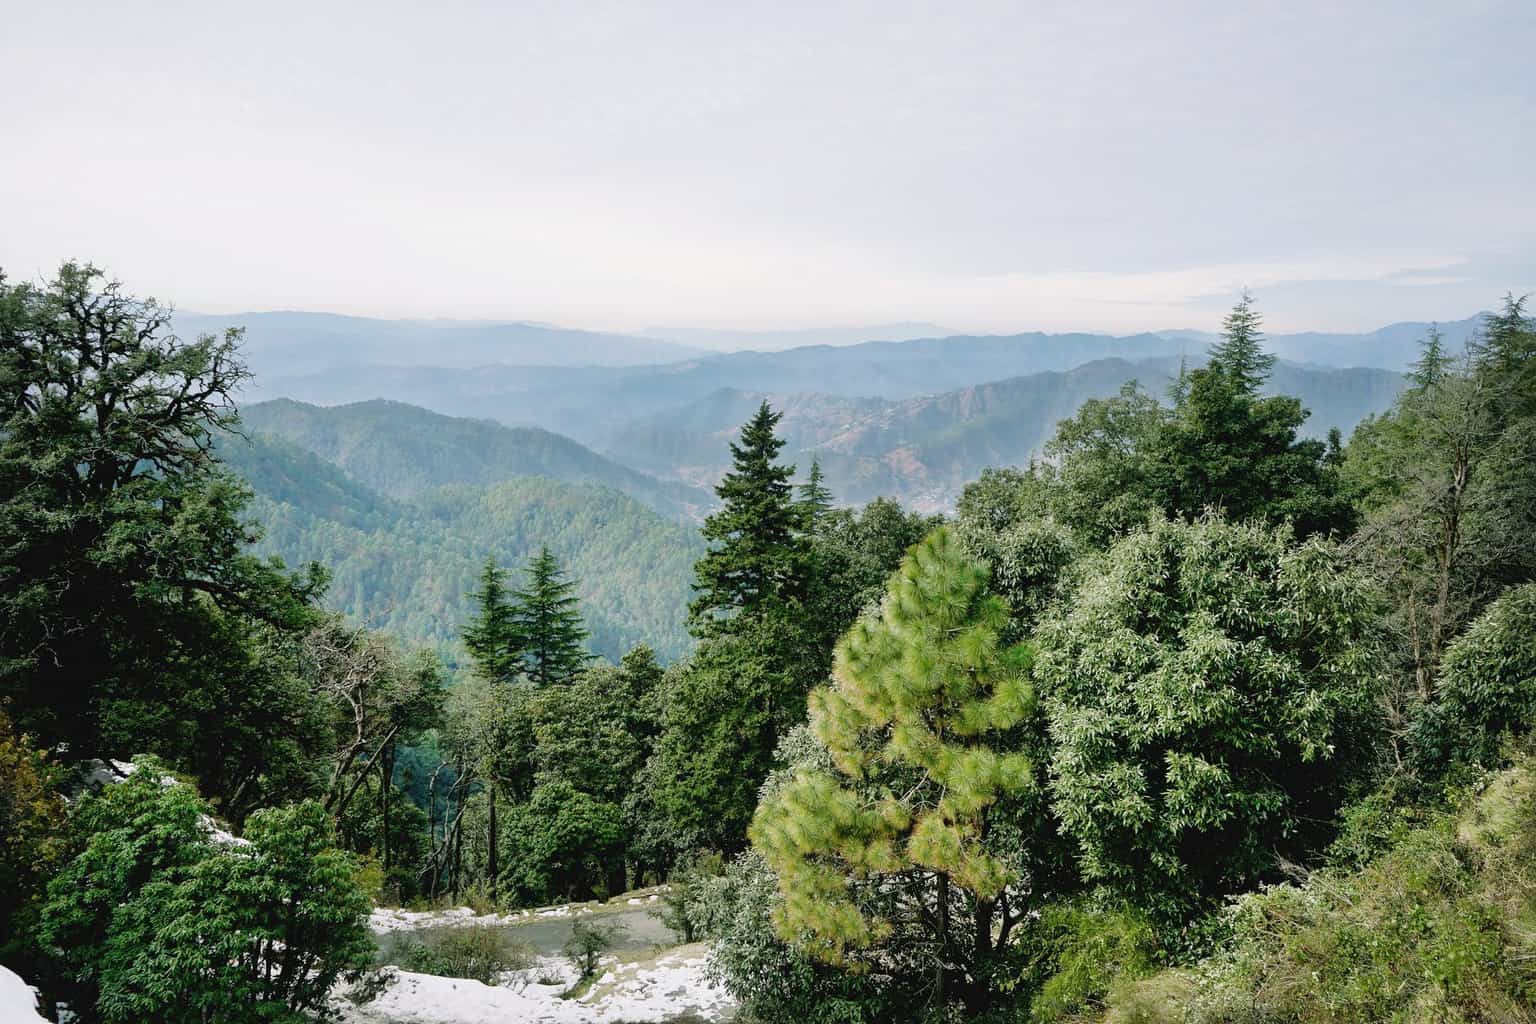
column 549, row 624
column 815, row 495
column 923, row 689
column 1240, row 353
column 758, row 554
column 492, row 636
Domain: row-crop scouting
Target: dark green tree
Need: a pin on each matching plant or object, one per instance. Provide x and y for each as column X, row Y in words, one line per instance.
column 1226, row 447
column 127, row 591
column 757, row 559
column 547, row 616
column 493, row 636
column 815, row 495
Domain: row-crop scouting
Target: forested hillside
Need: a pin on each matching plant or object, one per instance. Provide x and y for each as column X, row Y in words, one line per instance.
column 409, row 567
column 1202, row 719
column 402, row 451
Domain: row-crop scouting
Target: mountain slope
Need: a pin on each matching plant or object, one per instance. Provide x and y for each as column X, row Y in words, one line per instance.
column 402, row 451
column 924, row 450
column 410, row 566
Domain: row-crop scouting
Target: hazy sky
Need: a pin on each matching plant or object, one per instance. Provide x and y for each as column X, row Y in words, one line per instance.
column 997, row 167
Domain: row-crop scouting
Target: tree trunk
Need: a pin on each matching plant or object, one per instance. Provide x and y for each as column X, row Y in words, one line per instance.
column 490, row 863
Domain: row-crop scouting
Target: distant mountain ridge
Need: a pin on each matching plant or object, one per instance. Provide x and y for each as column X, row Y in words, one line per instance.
column 728, row 339
column 923, row 450
column 287, row 342
column 403, row 451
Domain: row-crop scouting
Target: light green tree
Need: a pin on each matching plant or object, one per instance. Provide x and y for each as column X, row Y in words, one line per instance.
column 924, row 692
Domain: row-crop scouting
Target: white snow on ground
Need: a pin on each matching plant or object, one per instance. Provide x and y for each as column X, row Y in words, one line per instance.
column 669, row 986
column 18, row 1003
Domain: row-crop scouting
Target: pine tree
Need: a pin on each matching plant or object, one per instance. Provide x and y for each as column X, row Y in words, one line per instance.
column 492, row 636
column 1240, row 353
column 922, row 689
column 1433, row 362
column 815, row 496
column 758, row 558
column 549, row 623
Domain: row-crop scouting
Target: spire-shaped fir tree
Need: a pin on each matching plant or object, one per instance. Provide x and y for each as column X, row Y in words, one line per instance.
column 549, row 622
column 815, row 495
column 1240, row 352
column 492, row 636
column 923, row 689
column 758, row 557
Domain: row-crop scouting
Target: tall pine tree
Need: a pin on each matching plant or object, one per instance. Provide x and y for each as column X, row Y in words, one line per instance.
column 758, row 558
column 924, row 690
column 549, row 623
column 1240, row 352
column 493, row 637
column 815, row 495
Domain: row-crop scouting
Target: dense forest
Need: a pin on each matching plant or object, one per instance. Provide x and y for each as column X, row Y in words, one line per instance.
column 1204, row 716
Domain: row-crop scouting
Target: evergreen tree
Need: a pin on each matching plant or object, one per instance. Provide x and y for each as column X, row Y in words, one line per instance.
column 1240, row 353
column 815, row 495
column 493, row 636
column 924, row 689
column 548, row 622
column 758, row 557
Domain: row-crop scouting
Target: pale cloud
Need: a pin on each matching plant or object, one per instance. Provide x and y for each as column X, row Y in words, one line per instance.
column 987, row 165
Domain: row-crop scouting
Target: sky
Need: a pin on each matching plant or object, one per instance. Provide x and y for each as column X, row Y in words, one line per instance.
column 993, row 167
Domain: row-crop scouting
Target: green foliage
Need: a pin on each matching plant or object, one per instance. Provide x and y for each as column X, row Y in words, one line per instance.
column 158, row 921
column 413, row 568
column 547, row 622
column 561, row 844
column 31, row 835
column 1435, row 929
column 1487, row 690
column 492, row 637
column 1208, row 689
column 1448, row 484
column 128, row 599
column 1080, row 954
column 480, row 953
column 775, row 982
column 924, row 689
column 757, row 558
column 588, row 942
column 722, row 712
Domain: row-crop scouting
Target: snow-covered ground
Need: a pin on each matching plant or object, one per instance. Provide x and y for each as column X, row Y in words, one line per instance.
column 395, row 919
column 18, row 1003
column 666, row 987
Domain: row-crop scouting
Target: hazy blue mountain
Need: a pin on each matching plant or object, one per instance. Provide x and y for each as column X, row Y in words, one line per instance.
column 729, row 340
column 402, row 451
column 1392, row 347
column 410, row 566
column 924, row 450
column 282, row 343
column 589, row 403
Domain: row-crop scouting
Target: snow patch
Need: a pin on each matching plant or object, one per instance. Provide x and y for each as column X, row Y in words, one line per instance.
column 672, row 985
column 18, row 1000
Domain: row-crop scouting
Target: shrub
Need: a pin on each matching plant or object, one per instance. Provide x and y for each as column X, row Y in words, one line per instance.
column 589, row 940
column 1487, row 687
column 156, row 921
column 477, row 952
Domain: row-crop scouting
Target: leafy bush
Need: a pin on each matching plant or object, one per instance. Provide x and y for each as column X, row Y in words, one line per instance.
column 478, row 952
column 1487, row 687
column 1435, row 929
column 158, row 921
column 589, row 940
column 775, row 983
column 31, row 834
column 1084, row 952
column 1209, row 693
